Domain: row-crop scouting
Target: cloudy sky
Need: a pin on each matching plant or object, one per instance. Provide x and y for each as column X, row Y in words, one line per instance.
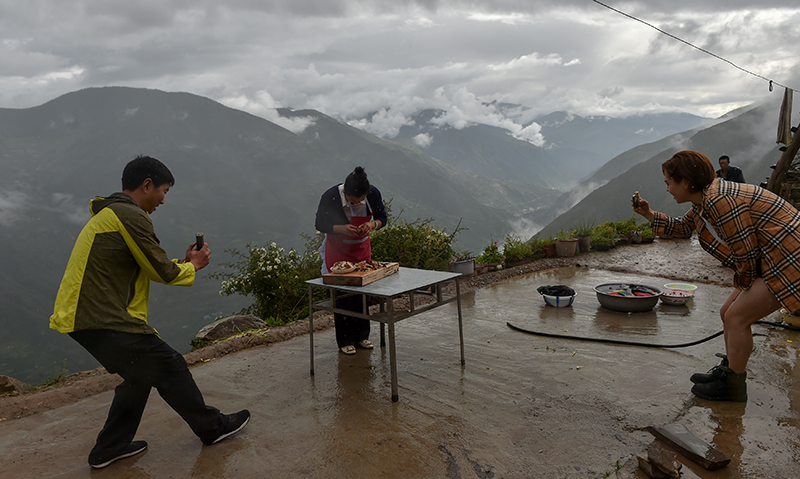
column 348, row 58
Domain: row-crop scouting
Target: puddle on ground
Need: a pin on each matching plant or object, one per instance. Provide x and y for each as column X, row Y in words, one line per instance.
column 519, row 303
column 764, row 428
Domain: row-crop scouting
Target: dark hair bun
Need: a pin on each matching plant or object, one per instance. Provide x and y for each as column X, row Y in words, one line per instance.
column 356, row 184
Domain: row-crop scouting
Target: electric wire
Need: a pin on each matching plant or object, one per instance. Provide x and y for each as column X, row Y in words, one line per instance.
column 636, row 343
column 771, row 82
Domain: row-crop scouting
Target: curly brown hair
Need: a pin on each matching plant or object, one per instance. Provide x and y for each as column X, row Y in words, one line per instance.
column 692, row 166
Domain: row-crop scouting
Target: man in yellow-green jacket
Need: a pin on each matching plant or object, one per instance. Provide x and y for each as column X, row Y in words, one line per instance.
column 102, row 304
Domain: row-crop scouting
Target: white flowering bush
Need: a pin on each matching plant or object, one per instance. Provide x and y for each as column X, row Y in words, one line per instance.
column 274, row 278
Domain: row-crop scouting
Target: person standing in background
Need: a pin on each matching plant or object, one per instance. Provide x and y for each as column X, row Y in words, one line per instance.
column 728, row 172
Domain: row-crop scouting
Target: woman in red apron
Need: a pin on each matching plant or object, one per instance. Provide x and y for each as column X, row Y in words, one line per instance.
column 347, row 214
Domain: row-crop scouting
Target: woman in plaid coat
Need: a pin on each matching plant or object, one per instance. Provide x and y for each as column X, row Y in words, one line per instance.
column 749, row 229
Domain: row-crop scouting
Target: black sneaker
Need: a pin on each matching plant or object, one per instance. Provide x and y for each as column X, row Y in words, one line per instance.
column 231, row 424
column 730, row 386
column 132, row 449
column 713, row 374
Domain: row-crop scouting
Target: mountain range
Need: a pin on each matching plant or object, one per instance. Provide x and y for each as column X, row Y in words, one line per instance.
column 748, row 137
column 241, row 179
column 572, row 147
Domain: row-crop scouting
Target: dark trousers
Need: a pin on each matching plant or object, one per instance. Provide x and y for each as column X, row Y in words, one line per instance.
column 349, row 329
column 144, row 361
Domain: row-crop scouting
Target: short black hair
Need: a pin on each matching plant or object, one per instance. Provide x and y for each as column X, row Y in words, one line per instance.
column 725, row 157
column 143, row 167
column 357, row 184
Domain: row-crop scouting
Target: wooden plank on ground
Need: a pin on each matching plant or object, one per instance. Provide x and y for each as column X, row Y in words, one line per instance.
column 684, row 442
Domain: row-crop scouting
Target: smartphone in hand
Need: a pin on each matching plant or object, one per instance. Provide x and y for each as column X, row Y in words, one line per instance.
column 200, row 241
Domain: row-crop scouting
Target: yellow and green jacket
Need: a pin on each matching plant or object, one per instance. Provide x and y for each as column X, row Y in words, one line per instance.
column 107, row 281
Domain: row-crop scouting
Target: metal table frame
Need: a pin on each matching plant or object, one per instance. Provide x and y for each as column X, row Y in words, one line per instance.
column 407, row 281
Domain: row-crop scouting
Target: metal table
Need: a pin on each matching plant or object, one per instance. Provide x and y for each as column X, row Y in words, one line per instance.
column 409, row 282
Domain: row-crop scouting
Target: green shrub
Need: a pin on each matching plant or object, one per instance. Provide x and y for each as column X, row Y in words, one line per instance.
column 625, row 227
column 417, row 244
column 491, row 254
column 539, row 244
column 603, row 234
column 647, row 231
column 514, row 248
column 274, row 278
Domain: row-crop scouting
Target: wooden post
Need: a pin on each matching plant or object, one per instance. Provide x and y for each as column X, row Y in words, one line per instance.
column 779, row 173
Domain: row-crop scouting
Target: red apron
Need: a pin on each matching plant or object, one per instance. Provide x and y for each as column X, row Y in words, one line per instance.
column 345, row 248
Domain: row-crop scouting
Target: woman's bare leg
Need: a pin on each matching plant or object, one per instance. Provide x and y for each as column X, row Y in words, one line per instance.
column 740, row 311
column 728, row 302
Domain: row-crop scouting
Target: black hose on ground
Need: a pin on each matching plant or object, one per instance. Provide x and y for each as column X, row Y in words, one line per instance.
column 634, row 343
column 778, row 325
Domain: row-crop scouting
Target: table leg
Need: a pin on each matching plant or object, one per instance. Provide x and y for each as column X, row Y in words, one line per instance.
column 383, row 326
column 311, row 323
column 392, row 352
column 460, row 325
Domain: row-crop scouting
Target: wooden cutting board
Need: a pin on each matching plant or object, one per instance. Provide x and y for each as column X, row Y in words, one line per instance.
column 360, row 278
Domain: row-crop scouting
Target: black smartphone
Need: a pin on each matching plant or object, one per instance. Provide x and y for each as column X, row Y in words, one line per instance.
column 635, row 200
column 199, row 240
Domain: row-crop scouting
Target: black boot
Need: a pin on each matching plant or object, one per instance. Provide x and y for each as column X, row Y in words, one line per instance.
column 712, row 374
column 729, row 386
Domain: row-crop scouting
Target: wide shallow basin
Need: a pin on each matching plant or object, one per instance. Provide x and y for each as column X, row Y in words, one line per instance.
column 627, row 297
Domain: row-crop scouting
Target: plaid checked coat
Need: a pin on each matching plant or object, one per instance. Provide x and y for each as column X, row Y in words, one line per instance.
column 754, row 224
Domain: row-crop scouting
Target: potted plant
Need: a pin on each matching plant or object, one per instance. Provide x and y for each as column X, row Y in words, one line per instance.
column 463, row 262
column 543, row 247
column 516, row 251
column 603, row 237
column 566, row 244
column 625, row 230
column 491, row 257
column 584, row 234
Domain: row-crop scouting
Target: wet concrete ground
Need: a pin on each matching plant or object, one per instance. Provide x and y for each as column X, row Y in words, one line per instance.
column 523, row 406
